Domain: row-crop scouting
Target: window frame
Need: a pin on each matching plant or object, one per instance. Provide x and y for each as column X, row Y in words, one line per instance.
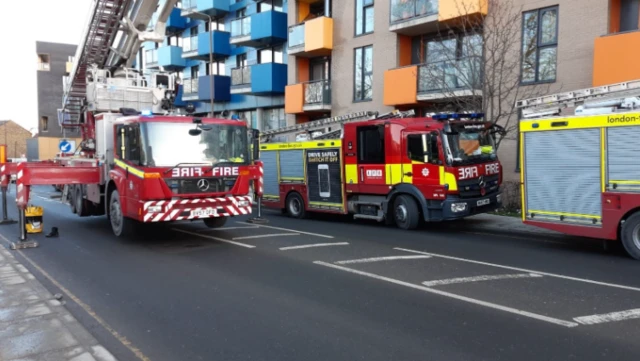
column 44, row 65
column 539, row 44
column 364, row 5
column 363, row 73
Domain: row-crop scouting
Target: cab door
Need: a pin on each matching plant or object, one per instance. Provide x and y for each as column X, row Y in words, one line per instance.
column 130, row 153
column 420, row 165
column 372, row 172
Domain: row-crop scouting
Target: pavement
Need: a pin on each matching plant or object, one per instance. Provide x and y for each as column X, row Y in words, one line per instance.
column 327, row 287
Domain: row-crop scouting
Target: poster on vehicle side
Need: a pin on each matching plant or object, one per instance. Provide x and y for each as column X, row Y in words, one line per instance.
column 324, row 175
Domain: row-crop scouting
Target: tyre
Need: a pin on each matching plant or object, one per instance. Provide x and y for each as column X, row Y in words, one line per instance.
column 215, row 222
column 80, row 204
column 630, row 235
column 295, row 205
column 71, row 198
column 120, row 225
column 405, row 212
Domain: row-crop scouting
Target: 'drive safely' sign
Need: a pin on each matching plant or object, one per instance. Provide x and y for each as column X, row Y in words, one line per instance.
column 199, row 172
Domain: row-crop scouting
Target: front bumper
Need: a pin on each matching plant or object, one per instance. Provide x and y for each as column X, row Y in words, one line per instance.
column 198, row 208
column 455, row 208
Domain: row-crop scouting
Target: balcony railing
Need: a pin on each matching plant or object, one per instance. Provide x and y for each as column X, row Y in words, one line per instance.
column 451, row 75
column 317, row 92
column 296, row 36
column 403, row 10
column 241, row 76
column 241, row 27
column 190, row 86
column 190, row 44
column 152, row 56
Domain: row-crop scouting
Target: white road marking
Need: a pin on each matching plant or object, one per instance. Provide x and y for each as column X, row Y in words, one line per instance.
column 292, row 230
column 379, row 259
column 267, row 235
column 613, row 285
column 224, row 229
column 450, row 281
column 214, row 238
column 315, row 245
column 452, row 295
column 609, row 317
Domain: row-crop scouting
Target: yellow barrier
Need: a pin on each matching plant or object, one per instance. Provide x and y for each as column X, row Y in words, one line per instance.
column 33, row 216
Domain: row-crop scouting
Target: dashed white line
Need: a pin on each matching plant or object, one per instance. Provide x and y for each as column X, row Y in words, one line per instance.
column 451, row 295
column 379, row 259
column 267, row 235
column 315, row 245
column 292, row 230
column 609, row 317
column 613, row 285
column 214, row 238
column 450, row 281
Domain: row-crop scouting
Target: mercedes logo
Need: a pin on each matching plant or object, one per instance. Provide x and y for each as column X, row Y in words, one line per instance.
column 481, row 181
column 203, row 185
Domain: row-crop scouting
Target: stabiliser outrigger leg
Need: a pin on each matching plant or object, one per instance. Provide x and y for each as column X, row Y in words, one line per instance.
column 5, row 172
column 258, row 192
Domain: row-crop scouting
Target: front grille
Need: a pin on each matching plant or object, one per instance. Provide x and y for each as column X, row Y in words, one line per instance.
column 470, row 188
column 199, row 185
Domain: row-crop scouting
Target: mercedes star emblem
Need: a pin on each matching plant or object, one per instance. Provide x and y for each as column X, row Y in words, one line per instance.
column 203, row 185
column 481, row 181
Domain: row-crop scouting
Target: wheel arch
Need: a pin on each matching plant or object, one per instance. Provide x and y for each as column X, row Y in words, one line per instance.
column 410, row 190
column 111, row 186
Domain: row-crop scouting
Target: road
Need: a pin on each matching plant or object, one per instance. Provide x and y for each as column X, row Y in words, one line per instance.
column 330, row 288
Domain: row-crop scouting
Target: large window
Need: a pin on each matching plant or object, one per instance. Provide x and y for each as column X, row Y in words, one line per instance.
column 363, row 73
column 268, row 5
column 364, row 17
column 271, row 55
column 539, row 45
column 44, row 62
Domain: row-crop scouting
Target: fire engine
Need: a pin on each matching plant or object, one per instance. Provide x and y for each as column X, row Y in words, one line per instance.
column 579, row 172
column 392, row 168
column 138, row 162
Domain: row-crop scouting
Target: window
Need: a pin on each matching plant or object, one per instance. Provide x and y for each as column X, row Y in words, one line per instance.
column 241, row 60
column 364, row 17
column 44, row 62
column 629, row 15
column 174, row 41
column 44, row 123
column 422, row 148
column 195, row 72
column 268, row 5
column 363, row 74
column 539, row 45
column 271, row 55
column 215, row 68
column 371, row 144
column 128, row 142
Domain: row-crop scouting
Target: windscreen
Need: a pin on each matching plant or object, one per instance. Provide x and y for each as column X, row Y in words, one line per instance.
column 168, row 144
column 470, row 146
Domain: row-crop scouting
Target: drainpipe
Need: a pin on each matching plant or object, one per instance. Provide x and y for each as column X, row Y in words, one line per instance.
column 327, row 8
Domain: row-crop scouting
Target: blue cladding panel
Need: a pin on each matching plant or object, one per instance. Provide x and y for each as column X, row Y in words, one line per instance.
column 268, row 78
column 221, row 44
column 221, row 88
column 171, row 57
column 175, row 21
column 213, row 7
column 269, row 25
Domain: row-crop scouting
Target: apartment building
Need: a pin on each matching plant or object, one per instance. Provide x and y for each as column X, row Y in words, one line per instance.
column 53, row 61
column 429, row 55
column 229, row 56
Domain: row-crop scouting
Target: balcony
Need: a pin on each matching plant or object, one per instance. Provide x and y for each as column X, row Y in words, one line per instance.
column 198, row 9
column 197, row 47
column 170, row 58
column 259, row 79
column 199, row 89
column 151, row 58
column 433, row 82
column 311, row 38
column 176, row 23
column 615, row 57
column 309, row 97
column 415, row 17
column 260, row 29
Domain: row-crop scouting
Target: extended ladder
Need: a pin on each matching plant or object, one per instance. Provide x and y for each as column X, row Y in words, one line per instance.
column 596, row 97
column 324, row 123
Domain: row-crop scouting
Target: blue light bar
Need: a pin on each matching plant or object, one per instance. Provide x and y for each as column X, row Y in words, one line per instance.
column 146, row 112
column 457, row 116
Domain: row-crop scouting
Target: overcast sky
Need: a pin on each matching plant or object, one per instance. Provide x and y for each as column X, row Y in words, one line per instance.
column 22, row 23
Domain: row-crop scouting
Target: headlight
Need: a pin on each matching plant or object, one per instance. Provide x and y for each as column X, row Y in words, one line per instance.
column 154, row 209
column 458, row 207
column 243, row 203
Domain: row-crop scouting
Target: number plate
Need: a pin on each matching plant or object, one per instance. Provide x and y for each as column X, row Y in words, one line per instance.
column 204, row 212
column 483, row 202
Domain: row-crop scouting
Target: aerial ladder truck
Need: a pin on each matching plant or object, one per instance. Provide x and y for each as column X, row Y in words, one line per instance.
column 394, row 168
column 137, row 162
column 579, row 172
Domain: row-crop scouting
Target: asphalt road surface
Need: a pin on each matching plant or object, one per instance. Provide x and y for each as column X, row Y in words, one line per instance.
column 329, row 288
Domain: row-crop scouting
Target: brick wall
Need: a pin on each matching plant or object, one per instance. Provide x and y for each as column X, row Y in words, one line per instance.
column 15, row 137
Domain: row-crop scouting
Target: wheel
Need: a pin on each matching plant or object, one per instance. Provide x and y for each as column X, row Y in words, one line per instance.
column 295, row 205
column 80, row 204
column 405, row 212
column 215, row 222
column 121, row 225
column 630, row 235
column 71, row 198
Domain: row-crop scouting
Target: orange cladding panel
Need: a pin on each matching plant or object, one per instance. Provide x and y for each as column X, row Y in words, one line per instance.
column 452, row 9
column 293, row 98
column 401, row 86
column 615, row 58
column 318, row 34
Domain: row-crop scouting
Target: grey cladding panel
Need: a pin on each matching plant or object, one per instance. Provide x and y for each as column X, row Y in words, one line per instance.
column 270, row 173
column 623, row 147
column 562, row 171
column 291, row 164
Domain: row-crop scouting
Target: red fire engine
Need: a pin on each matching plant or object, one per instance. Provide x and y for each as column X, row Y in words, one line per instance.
column 138, row 163
column 388, row 168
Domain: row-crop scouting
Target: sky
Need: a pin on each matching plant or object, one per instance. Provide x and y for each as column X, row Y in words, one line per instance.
column 22, row 23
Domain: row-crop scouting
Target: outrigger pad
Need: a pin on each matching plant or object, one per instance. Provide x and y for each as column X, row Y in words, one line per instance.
column 8, row 221
column 23, row 245
column 258, row 220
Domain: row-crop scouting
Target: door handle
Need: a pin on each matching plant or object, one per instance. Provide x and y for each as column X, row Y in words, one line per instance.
column 408, row 174
column 361, row 174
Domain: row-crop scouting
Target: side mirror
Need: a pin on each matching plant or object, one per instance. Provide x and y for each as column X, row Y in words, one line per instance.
column 255, row 134
column 195, row 132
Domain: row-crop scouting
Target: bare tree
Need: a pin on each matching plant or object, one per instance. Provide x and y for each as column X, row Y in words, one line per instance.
column 478, row 63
